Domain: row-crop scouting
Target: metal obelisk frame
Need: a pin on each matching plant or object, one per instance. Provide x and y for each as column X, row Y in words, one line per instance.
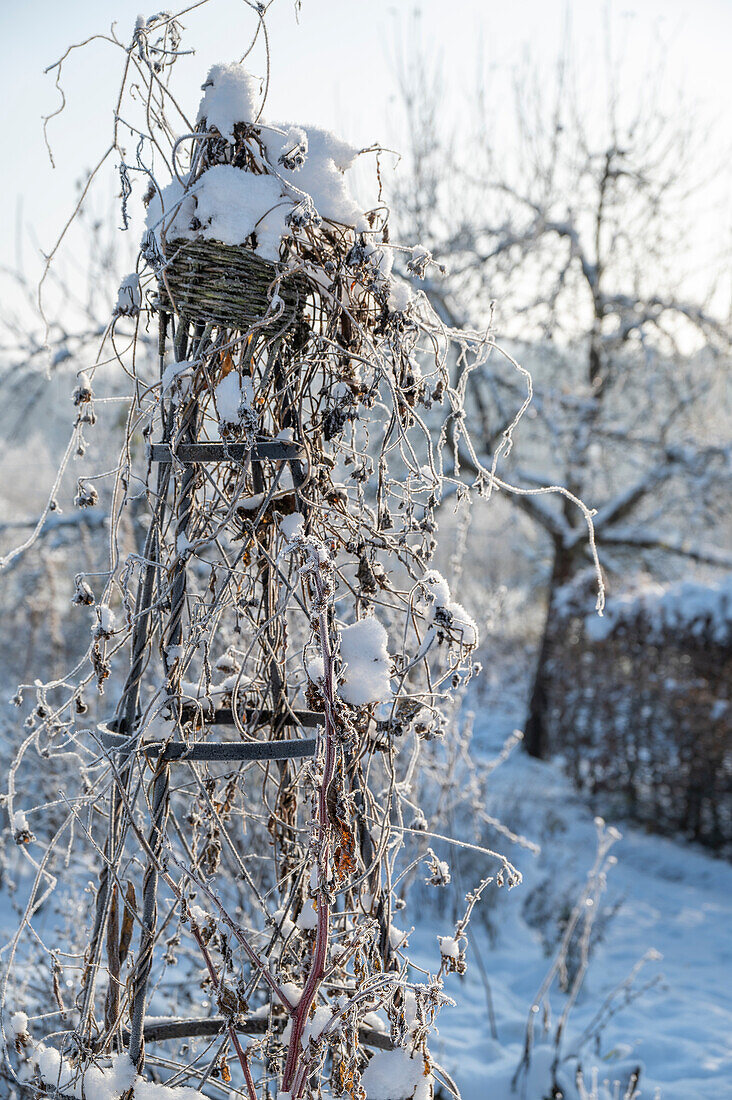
column 181, row 458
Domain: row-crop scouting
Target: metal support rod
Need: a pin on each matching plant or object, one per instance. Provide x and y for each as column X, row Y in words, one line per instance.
column 232, row 750
column 158, row 1031
column 161, row 783
column 143, row 964
column 188, row 453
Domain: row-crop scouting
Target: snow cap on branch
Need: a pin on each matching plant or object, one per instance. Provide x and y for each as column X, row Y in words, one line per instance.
column 230, row 95
column 367, row 663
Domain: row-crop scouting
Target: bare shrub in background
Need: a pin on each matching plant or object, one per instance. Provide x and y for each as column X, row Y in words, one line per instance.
column 639, row 705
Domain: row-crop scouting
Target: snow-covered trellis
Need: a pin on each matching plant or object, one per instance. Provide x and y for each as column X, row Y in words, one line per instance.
column 253, row 801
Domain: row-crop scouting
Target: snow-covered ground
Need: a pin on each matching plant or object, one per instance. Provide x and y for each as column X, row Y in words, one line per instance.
column 672, row 897
column 661, row 895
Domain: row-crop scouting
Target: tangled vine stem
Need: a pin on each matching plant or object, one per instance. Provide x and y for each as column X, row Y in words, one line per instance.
column 301, row 429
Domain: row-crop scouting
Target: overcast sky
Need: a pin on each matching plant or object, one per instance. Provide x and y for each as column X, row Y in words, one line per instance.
column 331, row 66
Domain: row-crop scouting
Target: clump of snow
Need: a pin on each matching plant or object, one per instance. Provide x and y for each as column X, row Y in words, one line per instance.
column 321, row 175
column 315, row 669
column 106, row 623
column 158, row 728
column 129, row 296
column 307, row 918
column 439, row 870
column 83, row 391
column 230, row 95
column 283, row 922
column 400, row 295
column 199, row 916
column 233, row 396
column 292, row 526
column 397, row 937
column 437, row 588
column 305, row 183
column 448, row 612
column 293, row 992
column 313, row 1028
column 173, row 379
column 98, row 1084
column 232, row 204
column 20, row 822
column 170, row 211
column 18, row 1025
column 395, row 1075
column 449, row 947
column 367, row 662
column 294, row 148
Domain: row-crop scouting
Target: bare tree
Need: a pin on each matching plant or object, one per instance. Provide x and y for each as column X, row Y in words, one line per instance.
column 577, row 216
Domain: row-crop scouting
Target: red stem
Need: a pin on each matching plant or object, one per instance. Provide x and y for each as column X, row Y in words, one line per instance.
column 243, row 1060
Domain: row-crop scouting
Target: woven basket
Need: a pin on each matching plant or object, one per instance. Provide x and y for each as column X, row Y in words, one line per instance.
column 227, row 285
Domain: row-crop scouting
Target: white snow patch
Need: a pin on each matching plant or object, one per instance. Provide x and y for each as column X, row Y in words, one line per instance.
column 129, row 296
column 459, row 620
column 98, row 1084
column 321, row 175
column 367, row 663
column 199, row 915
column 293, row 992
column 689, row 605
column 170, row 211
column 437, row 587
column 233, row 395
column 106, row 620
column 308, row 917
column 232, row 204
column 394, row 1075
column 313, row 1028
column 449, row 947
column 291, row 526
column 18, row 1024
column 230, row 95
column 315, row 669
column 400, row 295
column 397, row 938
column 173, row 376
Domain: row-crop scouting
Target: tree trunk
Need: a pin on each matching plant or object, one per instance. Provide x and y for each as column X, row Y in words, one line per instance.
column 536, row 731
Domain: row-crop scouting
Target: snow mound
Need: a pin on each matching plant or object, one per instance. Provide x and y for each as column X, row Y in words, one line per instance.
column 394, row 1075
column 367, row 663
column 300, row 179
column 292, row 526
column 231, row 95
column 234, row 395
column 232, row 204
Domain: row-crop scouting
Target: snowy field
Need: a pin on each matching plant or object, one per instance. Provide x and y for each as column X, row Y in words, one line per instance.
column 673, row 898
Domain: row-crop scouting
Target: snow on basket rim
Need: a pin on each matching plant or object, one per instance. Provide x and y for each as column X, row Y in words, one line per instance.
column 216, row 234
